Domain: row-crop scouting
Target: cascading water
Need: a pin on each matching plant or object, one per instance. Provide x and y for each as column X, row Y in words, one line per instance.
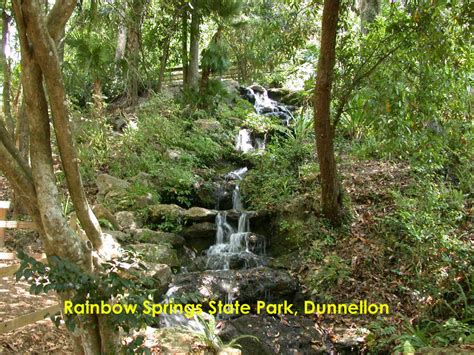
column 235, row 245
column 246, row 140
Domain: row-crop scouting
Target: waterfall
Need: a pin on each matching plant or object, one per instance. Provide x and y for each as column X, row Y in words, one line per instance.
column 243, row 142
column 235, row 244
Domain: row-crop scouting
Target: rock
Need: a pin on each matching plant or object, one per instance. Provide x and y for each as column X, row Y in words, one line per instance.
column 126, row 220
column 165, row 212
column 277, row 93
column 296, row 335
column 208, row 125
column 102, row 212
column 156, row 237
column 174, row 341
column 199, row 236
column 107, row 183
column 248, row 286
column 161, row 272
column 158, row 253
column 121, row 237
column 143, row 179
column 144, row 200
column 203, row 230
column 199, row 214
column 293, row 98
column 257, row 88
column 231, row 87
column 174, row 154
column 110, row 248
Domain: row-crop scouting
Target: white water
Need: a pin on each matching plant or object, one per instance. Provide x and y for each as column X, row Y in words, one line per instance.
column 243, row 141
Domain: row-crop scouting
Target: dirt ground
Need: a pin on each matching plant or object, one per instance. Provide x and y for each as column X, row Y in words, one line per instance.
column 15, row 300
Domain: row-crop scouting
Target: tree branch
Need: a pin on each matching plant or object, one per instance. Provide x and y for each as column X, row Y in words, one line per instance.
column 58, row 17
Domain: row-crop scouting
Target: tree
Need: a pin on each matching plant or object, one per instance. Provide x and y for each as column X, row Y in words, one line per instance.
column 369, row 9
column 331, row 194
column 134, row 24
column 192, row 80
column 6, row 91
column 44, row 92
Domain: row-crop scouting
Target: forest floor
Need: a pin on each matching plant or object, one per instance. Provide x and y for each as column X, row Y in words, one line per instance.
column 369, row 185
column 16, row 300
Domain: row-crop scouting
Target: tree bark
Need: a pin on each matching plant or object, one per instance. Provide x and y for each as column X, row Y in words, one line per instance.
column 331, row 196
column 121, row 35
column 22, row 137
column 193, row 68
column 7, row 111
column 133, row 49
column 41, row 78
column 184, row 45
column 369, row 9
column 44, row 45
column 163, row 63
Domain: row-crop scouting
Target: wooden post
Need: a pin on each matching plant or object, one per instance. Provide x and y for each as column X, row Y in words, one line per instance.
column 4, row 206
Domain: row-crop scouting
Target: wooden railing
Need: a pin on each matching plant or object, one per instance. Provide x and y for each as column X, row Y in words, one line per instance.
column 10, row 270
column 175, row 75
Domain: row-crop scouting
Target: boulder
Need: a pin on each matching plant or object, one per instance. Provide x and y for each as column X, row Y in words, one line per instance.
column 107, row 183
column 102, row 212
column 164, row 212
column 144, row 200
column 204, row 230
column 277, row 93
column 143, row 179
column 248, row 286
column 174, row 154
column 126, row 220
column 294, row 335
column 199, row 214
column 143, row 235
column 231, row 87
column 160, row 272
column 208, row 125
column 158, row 253
column 257, row 88
column 121, row 237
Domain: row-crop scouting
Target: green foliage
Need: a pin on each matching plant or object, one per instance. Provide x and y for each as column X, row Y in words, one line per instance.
column 212, row 340
column 334, row 271
column 286, row 168
column 65, row 277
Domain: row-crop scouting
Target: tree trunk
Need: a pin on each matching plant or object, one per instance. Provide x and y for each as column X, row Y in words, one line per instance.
column 121, row 37
column 22, row 134
column 369, row 9
column 97, row 101
column 133, row 50
column 44, row 92
column 193, row 69
column 163, row 63
column 184, row 46
column 7, row 111
column 331, row 197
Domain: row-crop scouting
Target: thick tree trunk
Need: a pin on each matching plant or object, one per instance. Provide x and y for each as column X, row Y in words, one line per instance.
column 184, row 46
column 193, row 68
column 369, row 9
column 133, row 50
column 331, row 197
column 41, row 77
column 121, row 36
column 7, row 111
